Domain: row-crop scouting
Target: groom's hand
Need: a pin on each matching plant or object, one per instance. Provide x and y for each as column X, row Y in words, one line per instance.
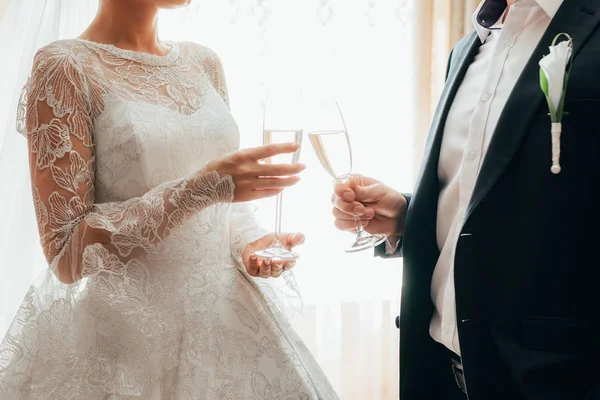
column 259, row 268
column 380, row 208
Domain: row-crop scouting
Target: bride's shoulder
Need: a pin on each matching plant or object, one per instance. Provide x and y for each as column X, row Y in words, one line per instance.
column 61, row 47
column 199, row 52
column 66, row 51
column 59, row 56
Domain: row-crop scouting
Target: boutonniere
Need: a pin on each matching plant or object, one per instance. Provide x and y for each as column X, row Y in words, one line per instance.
column 554, row 77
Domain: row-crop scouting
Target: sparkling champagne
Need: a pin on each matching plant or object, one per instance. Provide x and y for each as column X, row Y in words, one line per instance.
column 333, row 151
column 282, row 136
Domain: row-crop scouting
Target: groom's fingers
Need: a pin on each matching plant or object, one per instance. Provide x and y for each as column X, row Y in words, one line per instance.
column 371, row 194
column 344, row 191
column 345, row 225
column 348, row 207
column 367, row 214
column 361, row 195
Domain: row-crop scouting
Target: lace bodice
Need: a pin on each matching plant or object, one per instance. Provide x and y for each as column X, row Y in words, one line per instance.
column 116, row 141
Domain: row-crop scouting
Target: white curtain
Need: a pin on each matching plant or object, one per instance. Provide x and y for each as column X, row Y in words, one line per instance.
column 3, row 4
column 361, row 50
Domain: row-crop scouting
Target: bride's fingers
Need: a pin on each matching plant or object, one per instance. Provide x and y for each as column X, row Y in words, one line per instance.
column 265, row 269
column 289, row 265
column 291, row 240
column 253, row 266
column 263, row 194
column 275, row 183
column 276, row 169
column 270, row 150
column 276, row 269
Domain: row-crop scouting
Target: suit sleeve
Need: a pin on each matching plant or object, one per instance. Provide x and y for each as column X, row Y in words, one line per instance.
column 383, row 249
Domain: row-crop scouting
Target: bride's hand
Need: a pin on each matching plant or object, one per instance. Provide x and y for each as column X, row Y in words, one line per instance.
column 257, row 267
column 254, row 180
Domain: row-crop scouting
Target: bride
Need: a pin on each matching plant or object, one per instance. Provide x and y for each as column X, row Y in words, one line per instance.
column 153, row 290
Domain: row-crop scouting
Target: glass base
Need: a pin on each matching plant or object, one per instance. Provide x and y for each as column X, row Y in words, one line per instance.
column 277, row 253
column 366, row 241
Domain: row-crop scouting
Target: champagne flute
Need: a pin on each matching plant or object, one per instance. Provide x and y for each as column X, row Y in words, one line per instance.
column 334, row 151
column 282, row 124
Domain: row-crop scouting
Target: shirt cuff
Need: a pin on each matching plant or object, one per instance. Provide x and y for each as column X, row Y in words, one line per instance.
column 391, row 245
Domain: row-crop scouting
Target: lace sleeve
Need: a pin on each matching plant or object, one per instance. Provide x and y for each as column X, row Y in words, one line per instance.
column 214, row 69
column 77, row 234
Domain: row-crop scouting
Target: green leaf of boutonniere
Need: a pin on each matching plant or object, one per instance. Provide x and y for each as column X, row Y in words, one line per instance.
column 544, row 85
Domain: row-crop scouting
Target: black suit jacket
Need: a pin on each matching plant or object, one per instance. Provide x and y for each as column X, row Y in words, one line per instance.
column 527, row 265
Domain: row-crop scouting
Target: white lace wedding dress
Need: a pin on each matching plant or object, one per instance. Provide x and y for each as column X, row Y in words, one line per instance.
column 161, row 306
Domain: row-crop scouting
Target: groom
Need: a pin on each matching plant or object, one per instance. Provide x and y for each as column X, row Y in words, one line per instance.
column 501, row 281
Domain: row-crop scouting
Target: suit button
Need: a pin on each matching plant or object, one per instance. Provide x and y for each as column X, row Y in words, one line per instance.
column 398, row 322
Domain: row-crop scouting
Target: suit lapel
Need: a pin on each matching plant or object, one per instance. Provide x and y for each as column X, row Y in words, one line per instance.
column 461, row 60
column 419, row 241
column 578, row 18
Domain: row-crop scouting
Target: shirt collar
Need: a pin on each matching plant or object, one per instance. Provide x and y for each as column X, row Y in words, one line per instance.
column 490, row 12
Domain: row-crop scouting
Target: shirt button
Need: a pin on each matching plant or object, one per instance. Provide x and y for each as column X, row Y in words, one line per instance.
column 485, row 97
column 472, row 155
column 505, row 43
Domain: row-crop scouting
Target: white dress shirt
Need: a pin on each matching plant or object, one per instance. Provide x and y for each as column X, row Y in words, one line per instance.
column 471, row 122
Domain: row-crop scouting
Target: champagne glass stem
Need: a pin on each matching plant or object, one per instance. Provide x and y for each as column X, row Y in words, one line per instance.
column 360, row 231
column 278, row 210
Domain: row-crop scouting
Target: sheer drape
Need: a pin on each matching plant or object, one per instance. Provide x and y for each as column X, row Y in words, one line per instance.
column 366, row 52
column 3, row 5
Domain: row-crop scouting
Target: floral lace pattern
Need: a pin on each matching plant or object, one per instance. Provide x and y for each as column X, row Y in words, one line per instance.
column 146, row 296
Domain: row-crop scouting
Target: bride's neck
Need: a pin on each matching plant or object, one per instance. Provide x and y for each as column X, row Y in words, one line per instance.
column 127, row 25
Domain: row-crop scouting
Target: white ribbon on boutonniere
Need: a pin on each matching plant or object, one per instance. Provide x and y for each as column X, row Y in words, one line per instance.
column 554, row 78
